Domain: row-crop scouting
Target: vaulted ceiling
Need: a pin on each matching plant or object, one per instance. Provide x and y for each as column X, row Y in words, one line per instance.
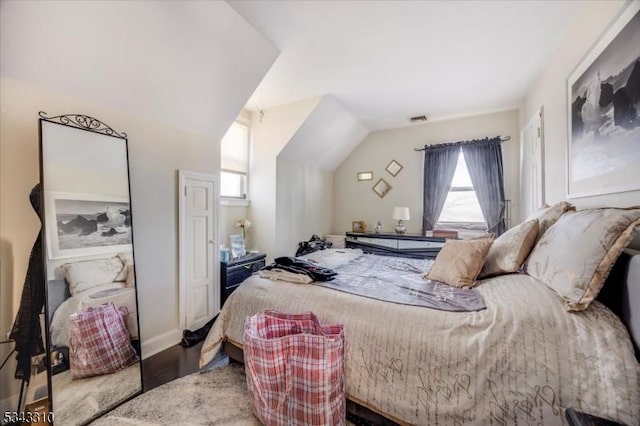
column 385, row 61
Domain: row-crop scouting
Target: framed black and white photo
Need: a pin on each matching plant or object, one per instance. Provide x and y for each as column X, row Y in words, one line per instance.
column 604, row 112
column 86, row 224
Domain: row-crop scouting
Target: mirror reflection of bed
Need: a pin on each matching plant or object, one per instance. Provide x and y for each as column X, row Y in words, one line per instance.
column 92, row 319
column 105, row 280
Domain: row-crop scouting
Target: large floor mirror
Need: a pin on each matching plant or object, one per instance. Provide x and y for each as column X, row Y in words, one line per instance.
column 92, row 332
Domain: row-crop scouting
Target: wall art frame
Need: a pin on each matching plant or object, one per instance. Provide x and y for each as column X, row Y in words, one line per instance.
column 362, row 176
column 603, row 143
column 358, row 226
column 75, row 230
column 393, row 168
column 381, row 188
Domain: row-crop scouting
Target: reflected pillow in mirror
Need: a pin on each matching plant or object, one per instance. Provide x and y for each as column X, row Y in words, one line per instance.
column 86, row 274
column 127, row 259
column 131, row 276
column 510, row 250
column 459, row 262
column 99, row 341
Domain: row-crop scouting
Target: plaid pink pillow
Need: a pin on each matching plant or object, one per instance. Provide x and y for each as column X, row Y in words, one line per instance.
column 99, row 341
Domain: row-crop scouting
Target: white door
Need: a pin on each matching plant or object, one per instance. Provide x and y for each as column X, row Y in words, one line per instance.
column 200, row 291
column 531, row 166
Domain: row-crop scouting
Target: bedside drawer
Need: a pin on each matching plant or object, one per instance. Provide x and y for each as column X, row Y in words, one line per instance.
column 233, row 273
column 237, row 274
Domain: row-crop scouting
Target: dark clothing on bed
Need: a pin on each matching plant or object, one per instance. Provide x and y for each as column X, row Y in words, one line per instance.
column 26, row 329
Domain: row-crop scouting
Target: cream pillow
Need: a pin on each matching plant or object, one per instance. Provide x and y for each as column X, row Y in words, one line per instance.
column 510, row 250
column 549, row 215
column 127, row 259
column 459, row 262
column 86, row 274
column 576, row 254
column 131, row 275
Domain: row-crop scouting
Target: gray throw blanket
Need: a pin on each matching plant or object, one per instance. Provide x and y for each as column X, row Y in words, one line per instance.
column 399, row 280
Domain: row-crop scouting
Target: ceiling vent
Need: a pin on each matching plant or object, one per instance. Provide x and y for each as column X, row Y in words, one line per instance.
column 418, row 118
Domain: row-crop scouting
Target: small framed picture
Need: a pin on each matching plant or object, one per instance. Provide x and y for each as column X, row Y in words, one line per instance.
column 237, row 245
column 381, row 188
column 394, row 168
column 358, row 226
column 365, row 176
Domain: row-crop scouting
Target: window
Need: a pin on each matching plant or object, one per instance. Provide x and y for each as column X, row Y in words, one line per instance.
column 461, row 209
column 234, row 167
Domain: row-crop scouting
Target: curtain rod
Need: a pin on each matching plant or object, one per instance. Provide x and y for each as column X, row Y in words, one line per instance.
column 502, row 139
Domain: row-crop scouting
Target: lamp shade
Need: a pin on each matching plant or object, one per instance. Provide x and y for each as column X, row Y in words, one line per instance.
column 401, row 213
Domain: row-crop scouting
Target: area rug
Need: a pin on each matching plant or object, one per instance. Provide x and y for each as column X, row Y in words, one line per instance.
column 213, row 397
column 75, row 401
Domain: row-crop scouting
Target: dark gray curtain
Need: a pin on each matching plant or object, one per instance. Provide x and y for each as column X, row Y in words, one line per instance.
column 484, row 162
column 439, row 165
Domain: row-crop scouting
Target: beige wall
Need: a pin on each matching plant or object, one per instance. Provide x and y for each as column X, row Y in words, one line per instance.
column 355, row 200
column 228, row 216
column 120, row 62
column 550, row 91
column 154, row 158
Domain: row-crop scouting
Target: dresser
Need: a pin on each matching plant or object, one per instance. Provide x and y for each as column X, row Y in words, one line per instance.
column 237, row 270
column 405, row 245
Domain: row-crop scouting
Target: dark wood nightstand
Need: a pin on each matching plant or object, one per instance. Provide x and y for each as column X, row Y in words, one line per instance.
column 399, row 245
column 576, row 418
column 237, row 270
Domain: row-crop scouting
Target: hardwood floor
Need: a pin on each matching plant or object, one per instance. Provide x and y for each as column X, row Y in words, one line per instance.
column 170, row 364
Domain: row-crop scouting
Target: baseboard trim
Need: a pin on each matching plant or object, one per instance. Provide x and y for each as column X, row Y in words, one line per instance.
column 159, row 343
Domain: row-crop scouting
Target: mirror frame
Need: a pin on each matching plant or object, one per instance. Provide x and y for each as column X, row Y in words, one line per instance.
column 88, row 124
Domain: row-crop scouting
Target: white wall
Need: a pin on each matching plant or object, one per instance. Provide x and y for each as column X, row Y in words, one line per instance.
column 355, row 200
column 173, row 75
column 550, row 91
column 271, row 132
column 326, row 137
column 192, row 64
column 304, row 200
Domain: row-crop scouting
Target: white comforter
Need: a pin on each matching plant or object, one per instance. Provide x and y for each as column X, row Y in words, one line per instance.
column 523, row 360
column 121, row 296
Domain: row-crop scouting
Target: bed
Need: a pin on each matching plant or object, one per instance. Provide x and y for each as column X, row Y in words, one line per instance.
column 522, row 360
column 65, row 299
column 96, row 296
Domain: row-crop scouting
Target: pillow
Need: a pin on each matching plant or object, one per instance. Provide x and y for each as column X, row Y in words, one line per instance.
column 547, row 216
column 459, row 262
column 99, row 341
column 510, row 250
column 126, row 258
column 576, row 254
column 86, row 274
column 131, row 276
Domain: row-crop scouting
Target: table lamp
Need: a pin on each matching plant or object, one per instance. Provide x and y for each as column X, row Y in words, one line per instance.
column 400, row 214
